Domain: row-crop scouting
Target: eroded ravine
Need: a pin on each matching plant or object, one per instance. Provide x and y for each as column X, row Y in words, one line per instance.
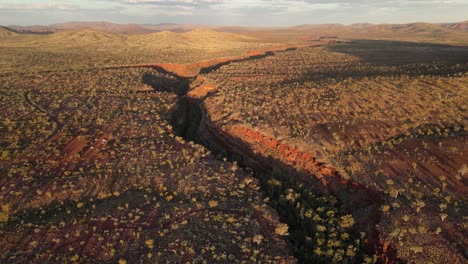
column 288, row 172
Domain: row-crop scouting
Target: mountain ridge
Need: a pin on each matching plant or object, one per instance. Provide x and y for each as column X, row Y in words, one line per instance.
column 132, row 28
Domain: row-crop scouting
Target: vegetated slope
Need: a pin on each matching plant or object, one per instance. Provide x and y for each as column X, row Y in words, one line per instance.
column 93, row 172
column 84, row 36
column 393, row 121
column 202, row 40
column 89, row 48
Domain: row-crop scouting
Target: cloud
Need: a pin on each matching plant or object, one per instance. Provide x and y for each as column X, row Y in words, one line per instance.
column 274, row 7
column 192, row 3
column 166, row 8
column 38, row 6
column 379, row 3
column 234, row 12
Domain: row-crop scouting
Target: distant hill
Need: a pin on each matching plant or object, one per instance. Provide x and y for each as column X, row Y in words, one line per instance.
column 449, row 33
column 462, row 26
column 108, row 27
column 96, row 26
column 102, row 26
column 439, row 32
column 414, row 28
column 361, row 25
column 5, row 32
column 321, row 26
column 367, row 27
column 411, row 27
column 35, row 29
column 174, row 27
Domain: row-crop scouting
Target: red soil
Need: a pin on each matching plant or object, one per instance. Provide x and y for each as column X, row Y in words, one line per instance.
column 425, row 163
column 75, row 146
column 96, row 147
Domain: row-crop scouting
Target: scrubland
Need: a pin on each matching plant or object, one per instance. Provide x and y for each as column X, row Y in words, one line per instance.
column 388, row 115
column 85, row 49
column 92, row 172
column 348, row 152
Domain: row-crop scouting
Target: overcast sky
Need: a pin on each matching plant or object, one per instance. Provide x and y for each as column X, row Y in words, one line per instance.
column 233, row 12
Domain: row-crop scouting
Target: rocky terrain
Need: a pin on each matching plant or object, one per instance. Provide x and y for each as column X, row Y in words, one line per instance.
column 93, row 172
column 207, row 147
column 359, row 125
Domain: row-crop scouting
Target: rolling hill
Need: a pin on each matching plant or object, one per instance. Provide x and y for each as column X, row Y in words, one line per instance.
column 86, row 36
column 4, row 32
column 462, row 26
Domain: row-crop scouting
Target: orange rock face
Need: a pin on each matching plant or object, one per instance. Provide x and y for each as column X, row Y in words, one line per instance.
column 201, row 91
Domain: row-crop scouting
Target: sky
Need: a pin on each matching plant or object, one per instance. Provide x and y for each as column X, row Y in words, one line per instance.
column 232, row 12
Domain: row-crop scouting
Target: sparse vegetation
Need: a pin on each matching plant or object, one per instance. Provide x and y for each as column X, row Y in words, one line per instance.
column 87, row 49
column 358, row 150
column 94, row 172
column 392, row 123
